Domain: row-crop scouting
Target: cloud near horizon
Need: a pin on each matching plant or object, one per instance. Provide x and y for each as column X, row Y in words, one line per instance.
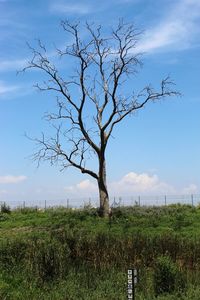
column 131, row 184
column 86, row 187
column 141, row 184
column 12, row 179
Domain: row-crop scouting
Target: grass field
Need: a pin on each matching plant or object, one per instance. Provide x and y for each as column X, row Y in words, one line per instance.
column 64, row 254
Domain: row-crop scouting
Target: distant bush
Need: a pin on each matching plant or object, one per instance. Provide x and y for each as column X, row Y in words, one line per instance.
column 167, row 277
column 28, row 210
column 5, row 208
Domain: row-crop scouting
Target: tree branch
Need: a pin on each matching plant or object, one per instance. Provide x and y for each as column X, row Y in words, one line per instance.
column 150, row 95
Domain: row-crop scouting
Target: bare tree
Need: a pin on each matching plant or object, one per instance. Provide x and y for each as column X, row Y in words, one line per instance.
column 92, row 101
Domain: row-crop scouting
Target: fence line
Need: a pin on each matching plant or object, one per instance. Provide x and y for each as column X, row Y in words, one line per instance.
column 141, row 200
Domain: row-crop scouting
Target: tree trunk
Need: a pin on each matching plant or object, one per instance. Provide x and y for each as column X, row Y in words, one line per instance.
column 103, row 192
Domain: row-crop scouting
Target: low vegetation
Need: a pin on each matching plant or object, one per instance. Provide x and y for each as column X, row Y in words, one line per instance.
column 74, row 254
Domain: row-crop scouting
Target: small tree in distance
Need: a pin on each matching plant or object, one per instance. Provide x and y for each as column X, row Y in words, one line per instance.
column 96, row 89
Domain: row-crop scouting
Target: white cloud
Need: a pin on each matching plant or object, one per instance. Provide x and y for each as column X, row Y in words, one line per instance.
column 14, row 91
column 83, row 188
column 12, row 179
column 176, row 31
column 191, row 189
column 133, row 183
column 71, row 8
column 127, row 1
column 12, row 65
column 7, row 89
column 85, row 185
column 129, row 185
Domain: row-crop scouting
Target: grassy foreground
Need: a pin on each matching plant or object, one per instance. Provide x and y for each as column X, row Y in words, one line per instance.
column 65, row 254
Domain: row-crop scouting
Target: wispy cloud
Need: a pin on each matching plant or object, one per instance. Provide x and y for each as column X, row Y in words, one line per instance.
column 71, row 8
column 12, row 179
column 127, row 1
column 12, row 65
column 7, row 89
column 176, row 31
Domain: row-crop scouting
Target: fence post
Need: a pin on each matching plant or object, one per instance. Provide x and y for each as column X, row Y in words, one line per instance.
column 114, row 202
column 192, row 199
column 45, row 205
column 139, row 200
column 67, row 203
column 165, row 200
column 24, row 204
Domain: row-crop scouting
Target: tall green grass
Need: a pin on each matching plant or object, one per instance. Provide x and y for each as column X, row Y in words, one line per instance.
column 65, row 254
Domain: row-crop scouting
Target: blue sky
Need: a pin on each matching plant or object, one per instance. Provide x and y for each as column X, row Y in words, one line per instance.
column 154, row 152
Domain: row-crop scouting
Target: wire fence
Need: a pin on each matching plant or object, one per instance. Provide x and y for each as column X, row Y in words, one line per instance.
column 142, row 200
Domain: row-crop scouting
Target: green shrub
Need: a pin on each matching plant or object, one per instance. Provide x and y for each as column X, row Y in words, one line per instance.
column 167, row 277
column 28, row 210
column 3, row 217
column 12, row 252
column 4, row 288
column 5, row 208
column 47, row 259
